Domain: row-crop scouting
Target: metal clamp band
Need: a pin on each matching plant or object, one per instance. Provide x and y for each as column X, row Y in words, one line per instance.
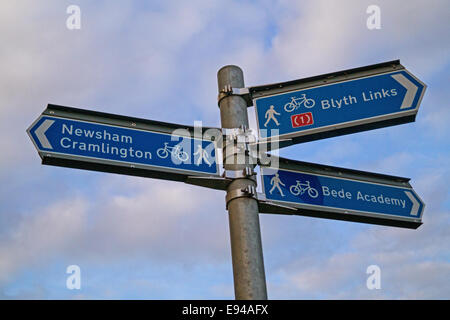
column 248, row 192
column 230, row 91
column 232, row 149
column 242, row 134
column 239, row 142
column 240, row 152
column 238, row 174
column 233, row 132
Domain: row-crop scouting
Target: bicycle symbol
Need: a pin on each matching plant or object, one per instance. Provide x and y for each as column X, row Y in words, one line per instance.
column 174, row 151
column 301, row 188
column 297, row 102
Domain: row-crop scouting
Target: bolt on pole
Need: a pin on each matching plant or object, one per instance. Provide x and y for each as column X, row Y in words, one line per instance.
column 245, row 233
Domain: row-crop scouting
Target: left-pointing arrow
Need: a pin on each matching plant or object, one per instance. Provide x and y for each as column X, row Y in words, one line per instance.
column 40, row 133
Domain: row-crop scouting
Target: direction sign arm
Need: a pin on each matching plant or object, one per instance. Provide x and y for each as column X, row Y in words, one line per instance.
column 341, row 194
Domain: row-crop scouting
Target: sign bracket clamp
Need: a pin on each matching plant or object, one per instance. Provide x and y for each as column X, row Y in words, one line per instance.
column 248, row 192
column 228, row 90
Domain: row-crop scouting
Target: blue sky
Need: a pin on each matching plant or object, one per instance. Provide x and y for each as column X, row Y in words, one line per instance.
column 137, row 238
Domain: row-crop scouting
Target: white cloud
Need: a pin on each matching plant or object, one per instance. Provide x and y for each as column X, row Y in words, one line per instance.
column 414, row 263
column 408, row 270
column 322, row 36
column 42, row 235
column 165, row 221
column 308, row 41
column 395, row 162
column 435, row 115
column 332, row 275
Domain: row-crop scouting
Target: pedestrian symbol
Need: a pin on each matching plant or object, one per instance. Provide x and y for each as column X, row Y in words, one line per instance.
column 270, row 115
column 201, row 155
column 276, row 182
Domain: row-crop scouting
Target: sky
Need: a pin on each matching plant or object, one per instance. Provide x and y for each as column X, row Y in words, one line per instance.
column 138, row 238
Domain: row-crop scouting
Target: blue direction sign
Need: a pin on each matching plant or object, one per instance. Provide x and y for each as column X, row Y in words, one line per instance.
column 114, row 145
column 344, row 197
column 317, row 110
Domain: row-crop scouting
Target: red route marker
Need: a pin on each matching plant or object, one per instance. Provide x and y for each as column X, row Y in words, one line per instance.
column 303, row 119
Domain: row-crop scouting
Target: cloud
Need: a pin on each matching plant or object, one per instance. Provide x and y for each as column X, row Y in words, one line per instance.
column 167, row 220
column 308, row 41
column 395, row 162
column 412, row 267
column 41, row 236
column 164, row 222
column 333, row 275
column 414, row 263
column 435, row 115
column 323, row 36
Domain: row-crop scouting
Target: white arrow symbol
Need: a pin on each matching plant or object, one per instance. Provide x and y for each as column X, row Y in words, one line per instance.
column 416, row 204
column 411, row 90
column 40, row 133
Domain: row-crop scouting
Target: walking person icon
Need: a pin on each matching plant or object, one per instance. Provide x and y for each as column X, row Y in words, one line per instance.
column 202, row 155
column 270, row 115
column 276, row 182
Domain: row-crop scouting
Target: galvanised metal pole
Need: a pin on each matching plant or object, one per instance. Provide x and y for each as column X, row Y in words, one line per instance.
column 245, row 234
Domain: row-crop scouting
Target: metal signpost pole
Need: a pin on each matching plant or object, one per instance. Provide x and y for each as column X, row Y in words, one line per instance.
column 242, row 205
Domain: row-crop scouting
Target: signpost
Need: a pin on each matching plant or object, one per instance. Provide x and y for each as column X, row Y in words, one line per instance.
column 343, row 194
column 98, row 141
column 345, row 102
column 292, row 112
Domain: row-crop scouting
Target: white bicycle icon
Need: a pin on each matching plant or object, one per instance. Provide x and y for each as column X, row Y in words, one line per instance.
column 301, row 188
column 174, row 151
column 297, row 102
